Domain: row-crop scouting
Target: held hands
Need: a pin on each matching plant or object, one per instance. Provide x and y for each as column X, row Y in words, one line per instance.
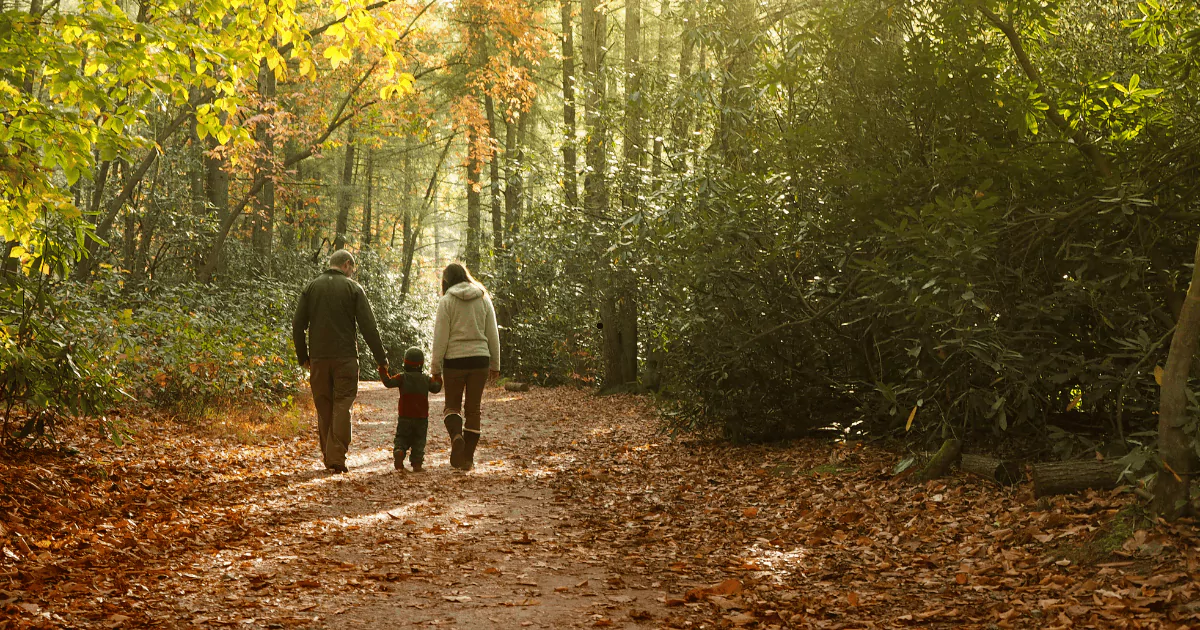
column 437, row 378
column 383, row 371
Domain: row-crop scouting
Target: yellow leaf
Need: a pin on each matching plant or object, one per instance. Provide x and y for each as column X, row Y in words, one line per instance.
column 912, row 414
column 1158, row 374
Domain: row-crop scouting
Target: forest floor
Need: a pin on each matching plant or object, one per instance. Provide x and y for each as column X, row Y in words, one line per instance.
column 579, row 513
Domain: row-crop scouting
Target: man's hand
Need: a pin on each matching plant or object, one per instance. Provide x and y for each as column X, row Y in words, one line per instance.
column 383, row 372
column 437, row 378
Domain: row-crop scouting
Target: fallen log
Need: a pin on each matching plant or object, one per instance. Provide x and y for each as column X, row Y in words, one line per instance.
column 942, row 461
column 1002, row 471
column 1067, row 477
column 514, row 386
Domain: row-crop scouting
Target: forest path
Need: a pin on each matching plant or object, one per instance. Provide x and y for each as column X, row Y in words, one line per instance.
column 579, row 513
column 496, row 547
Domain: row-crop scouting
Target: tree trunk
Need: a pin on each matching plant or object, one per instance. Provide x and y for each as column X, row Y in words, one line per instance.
column 367, row 209
column 634, row 100
column 570, row 159
column 1175, row 448
column 216, row 183
column 407, row 239
column 1067, row 477
column 512, row 174
column 264, row 224
column 595, row 28
column 681, row 123
column 618, row 317
column 474, row 167
column 660, row 86
column 494, row 179
column 345, row 192
column 512, row 222
column 129, row 240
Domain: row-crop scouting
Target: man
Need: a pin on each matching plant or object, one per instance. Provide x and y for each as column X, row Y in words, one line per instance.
column 333, row 308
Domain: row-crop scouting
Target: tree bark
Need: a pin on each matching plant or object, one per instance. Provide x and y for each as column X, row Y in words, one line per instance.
column 407, row 237
column 512, row 175
column 595, row 188
column 681, row 123
column 512, row 222
column 367, row 209
column 1001, row 471
column 570, row 159
column 264, row 224
column 474, row 167
column 1175, row 448
column 216, row 182
column 494, row 180
column 345, row 192
column 634, row 110
column 1067, row 477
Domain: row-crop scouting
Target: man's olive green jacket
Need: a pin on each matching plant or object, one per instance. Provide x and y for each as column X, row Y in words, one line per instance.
column 332, row 309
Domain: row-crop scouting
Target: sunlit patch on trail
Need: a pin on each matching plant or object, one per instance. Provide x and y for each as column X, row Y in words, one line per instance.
column 776, row 564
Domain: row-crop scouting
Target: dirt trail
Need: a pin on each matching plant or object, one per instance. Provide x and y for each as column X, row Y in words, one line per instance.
column 378, row 549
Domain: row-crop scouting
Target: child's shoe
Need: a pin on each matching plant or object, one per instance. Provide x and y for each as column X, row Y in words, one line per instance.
column 399, row 466
column 417, row 468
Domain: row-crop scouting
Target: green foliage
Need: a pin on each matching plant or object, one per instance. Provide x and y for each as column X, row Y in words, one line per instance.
column 190, row 347
column 912, row 241
column 49, row 373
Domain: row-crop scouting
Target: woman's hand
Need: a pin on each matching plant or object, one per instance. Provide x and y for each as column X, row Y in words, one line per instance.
column 493, row 375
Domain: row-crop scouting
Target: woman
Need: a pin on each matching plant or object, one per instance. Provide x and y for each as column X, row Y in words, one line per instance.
column 466, row 353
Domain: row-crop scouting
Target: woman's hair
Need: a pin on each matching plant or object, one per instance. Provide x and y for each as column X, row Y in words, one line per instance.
column 456, row 273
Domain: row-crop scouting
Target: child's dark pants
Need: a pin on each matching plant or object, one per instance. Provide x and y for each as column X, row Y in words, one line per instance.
column 410, row 434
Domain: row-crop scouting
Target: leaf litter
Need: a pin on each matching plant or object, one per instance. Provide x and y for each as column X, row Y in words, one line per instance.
column 579, row 514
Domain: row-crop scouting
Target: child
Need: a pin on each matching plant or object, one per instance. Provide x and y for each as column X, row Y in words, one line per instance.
column 412, row 424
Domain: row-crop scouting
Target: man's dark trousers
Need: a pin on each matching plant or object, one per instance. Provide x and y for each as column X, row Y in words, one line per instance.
column 334, row 387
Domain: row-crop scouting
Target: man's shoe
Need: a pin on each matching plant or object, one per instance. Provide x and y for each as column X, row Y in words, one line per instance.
column 339, row 468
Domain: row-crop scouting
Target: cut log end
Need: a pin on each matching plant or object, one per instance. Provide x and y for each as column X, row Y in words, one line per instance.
column 514, row 386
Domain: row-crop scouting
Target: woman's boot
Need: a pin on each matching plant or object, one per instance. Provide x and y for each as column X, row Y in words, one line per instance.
column 472, row 440
column 454, row 426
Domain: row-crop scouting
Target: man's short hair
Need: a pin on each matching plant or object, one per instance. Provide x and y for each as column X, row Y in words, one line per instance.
column 340, row 258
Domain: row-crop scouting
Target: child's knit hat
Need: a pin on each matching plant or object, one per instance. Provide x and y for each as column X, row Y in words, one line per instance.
column 413, row 357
